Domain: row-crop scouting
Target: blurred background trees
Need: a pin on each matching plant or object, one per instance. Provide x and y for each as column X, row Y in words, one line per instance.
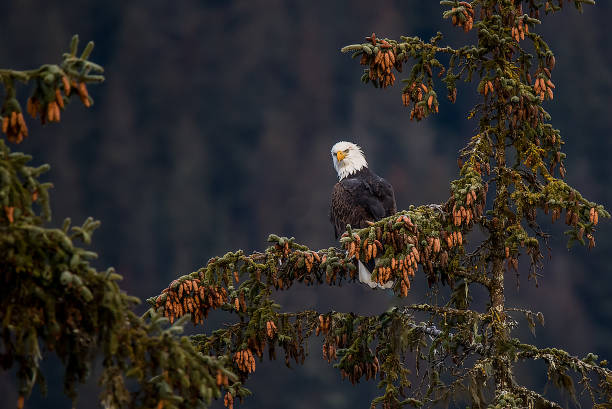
column 214, row 129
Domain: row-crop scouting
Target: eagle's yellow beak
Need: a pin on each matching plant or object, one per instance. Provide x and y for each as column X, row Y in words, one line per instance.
column 340, row 155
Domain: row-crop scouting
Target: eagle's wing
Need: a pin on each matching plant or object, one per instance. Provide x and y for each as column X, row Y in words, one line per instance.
column 384, row 191
column 368, row 195
column 357, row 200
column 346, row 206
column 376, row 195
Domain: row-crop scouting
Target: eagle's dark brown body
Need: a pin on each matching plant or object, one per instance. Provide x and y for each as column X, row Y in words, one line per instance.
column 360, row 197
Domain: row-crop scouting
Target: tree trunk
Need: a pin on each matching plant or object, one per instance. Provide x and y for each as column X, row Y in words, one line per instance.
column 497, row 228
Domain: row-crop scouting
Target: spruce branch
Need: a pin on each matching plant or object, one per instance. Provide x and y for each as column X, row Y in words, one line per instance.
column 54, row 84
column 53, row 301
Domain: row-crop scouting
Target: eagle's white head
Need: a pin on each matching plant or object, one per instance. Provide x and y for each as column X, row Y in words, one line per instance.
column 348, row 159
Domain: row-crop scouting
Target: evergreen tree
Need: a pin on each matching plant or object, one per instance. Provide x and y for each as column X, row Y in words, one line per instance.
column 461, row 353
column 54, row 298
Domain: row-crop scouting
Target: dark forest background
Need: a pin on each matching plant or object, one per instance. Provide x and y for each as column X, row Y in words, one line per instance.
column 213, row 129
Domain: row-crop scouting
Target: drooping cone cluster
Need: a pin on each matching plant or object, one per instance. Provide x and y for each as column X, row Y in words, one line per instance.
column 46, row 102
column 360, row 369
column 271, row 329
column 309, row 266
column 228, row 400
column 424, row 99
column 245, row 360
column 363, row 364
column 323, row 325
column 580, row 214
column 462, row 15
column 189, row 297
column 521, row 28
column 14, row 126
column 543, row 86
column 381, row 61
column 381, row 57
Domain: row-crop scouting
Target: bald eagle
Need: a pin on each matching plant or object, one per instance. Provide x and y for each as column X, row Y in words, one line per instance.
column 358, row 197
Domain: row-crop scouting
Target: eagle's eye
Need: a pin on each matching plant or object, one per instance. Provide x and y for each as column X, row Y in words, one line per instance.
column 346, row 151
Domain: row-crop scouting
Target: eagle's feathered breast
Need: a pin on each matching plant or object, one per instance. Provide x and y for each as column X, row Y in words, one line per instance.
column 361, row 197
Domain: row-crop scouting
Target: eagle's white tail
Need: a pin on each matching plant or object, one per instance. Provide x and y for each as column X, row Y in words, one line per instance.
column 366, row 277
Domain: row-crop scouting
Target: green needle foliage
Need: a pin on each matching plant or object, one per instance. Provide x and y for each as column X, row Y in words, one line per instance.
column 53, row 301
column 462, row 354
